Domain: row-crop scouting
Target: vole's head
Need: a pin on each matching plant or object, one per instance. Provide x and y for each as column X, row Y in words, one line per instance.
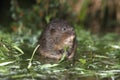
column 62, row 32
column 60, row 27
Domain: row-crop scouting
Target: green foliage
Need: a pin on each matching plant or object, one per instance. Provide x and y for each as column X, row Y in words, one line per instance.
column 94, row 54
column 39, row 14
column 84, row 9
column 97, row 56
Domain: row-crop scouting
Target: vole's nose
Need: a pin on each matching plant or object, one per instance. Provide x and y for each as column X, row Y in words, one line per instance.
column 71, row 33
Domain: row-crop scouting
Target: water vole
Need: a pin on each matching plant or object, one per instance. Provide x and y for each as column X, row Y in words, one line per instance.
column 57, row 38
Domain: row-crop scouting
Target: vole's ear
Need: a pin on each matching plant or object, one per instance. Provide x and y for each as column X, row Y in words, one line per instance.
column 52, row 31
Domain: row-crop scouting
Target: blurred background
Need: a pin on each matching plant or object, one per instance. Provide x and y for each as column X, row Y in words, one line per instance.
column 97, row 16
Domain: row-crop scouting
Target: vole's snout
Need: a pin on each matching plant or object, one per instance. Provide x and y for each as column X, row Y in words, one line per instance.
column 69, row 40
column 73, row 34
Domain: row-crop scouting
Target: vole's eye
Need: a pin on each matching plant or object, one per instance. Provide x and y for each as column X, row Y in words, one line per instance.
column 64, row 29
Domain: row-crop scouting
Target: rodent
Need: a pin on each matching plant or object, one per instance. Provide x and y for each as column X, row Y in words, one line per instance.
column 57, row 36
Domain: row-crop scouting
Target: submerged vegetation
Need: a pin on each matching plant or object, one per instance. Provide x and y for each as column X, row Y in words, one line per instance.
column 97, row 58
